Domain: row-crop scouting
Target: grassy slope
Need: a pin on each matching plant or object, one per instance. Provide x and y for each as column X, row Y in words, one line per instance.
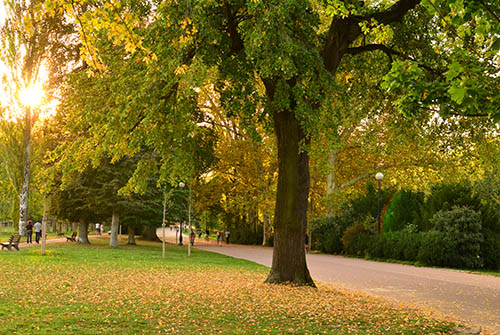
column 78, row 289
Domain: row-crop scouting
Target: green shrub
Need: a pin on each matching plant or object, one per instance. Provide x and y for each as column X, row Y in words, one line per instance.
column 367, row 204
column 490, row 251
column 377, row 246
column 402, row 245
column 245, row 234
column 446, row 196
column 361, row 244
column 404, row 209
column 357, row 239
column 412, row 243
column 458, row 233
column 326, row 235
column 435, row 249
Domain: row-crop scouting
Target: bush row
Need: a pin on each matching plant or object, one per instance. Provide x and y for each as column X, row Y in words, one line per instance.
column 455, row 241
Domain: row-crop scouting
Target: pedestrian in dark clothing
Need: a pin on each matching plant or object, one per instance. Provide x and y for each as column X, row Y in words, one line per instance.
column 29, row 232
column 227, row 236
column 192, row 237
column 307, row 243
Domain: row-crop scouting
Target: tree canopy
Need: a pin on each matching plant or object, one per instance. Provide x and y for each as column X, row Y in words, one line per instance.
column 404, row 86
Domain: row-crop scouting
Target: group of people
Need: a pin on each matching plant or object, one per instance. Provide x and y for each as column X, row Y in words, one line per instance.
column 99, row 228
column 219, row 237
column 218, row 234
column 29, row 231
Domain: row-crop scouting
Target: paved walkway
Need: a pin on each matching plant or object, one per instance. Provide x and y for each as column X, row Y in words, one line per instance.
column 471, row 297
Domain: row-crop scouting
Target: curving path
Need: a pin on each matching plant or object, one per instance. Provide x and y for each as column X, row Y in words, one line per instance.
column 471, row 297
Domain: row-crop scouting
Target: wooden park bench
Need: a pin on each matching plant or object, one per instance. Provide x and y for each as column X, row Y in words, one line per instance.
column 13, row 242
column 71, row 238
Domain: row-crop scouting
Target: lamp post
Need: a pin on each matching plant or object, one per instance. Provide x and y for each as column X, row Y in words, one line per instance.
column 379, row 176
column 181, row 185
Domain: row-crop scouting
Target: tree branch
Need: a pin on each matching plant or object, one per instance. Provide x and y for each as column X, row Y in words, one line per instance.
column 343, row 32
column 236, row 40
column 372, row 47
column 389, row 52
column 488, row 9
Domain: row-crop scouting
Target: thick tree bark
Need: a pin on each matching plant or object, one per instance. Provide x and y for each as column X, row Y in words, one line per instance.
column 289, row 261
column 82, row 232
column 149, row 234
column 113, row 240
column 24, row 195
column 131, row 235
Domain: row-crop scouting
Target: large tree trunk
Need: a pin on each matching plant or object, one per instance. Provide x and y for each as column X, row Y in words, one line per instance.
column 289, row 261
column 113, row 241
column 149, row 234
column 131, row 235
column 82, row 232
column 24, row 195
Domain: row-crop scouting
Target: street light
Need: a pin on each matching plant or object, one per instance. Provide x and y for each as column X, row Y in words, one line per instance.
column 181, row 185
column 379, row 176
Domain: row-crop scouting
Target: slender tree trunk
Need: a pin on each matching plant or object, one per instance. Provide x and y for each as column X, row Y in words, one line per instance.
column 131, row 235
column 14, row 215
column 115, row 221
column 24, row 195
column 266, row 227
column 149, row 234
column 331, row 181
column 44, row 226
column 289, row 261
column 82, row 232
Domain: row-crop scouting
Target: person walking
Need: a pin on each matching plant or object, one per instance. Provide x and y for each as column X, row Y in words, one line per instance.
column 38, row 231
column 207, row 233
column 307, row 243
column 218, row 238
column 29, row 232
column 193, row 235
column 98, row 228
column 227, row 236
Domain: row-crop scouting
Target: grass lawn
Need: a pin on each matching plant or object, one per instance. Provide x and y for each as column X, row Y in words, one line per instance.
column 78, row 289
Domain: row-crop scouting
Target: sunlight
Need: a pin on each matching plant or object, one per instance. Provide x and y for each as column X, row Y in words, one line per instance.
column 31, row 96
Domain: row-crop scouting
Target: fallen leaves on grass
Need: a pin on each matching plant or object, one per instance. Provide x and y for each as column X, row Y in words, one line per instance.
column 91, row 297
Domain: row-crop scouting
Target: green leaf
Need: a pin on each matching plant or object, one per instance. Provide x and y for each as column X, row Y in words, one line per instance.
column 457, row 93
column 453, row 71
